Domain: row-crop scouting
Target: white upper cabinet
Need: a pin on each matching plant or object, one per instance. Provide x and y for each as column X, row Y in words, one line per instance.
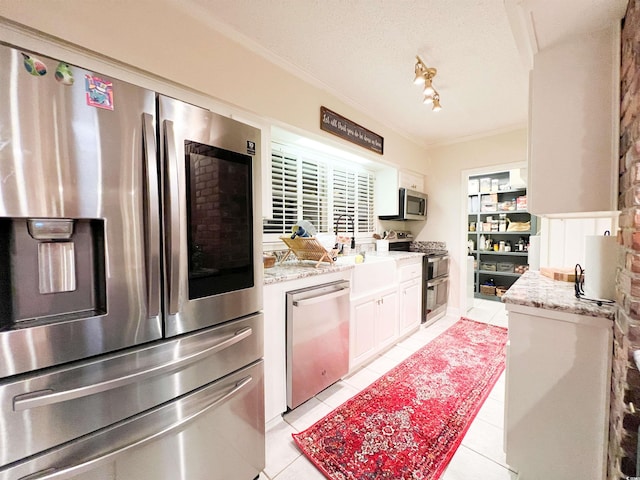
column 411, row 181
column 388, row 182
column 574, row 102
column 573, row 126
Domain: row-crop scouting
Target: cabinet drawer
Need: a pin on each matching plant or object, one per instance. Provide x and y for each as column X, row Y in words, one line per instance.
column 411, row 271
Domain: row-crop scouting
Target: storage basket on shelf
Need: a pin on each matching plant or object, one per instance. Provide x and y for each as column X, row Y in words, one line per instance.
column 500, row 291
column 487, row 289
column 488, row 266
column 505, row 267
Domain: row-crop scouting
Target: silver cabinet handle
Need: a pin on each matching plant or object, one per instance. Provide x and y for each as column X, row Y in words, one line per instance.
column 152, row 235
column 93, row 462
column 49, row 396
column 173, row 222
column 320, row 298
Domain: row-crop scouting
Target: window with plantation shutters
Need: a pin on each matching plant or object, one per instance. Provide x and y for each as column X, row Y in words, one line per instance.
column 284, row 192
column 319, row 191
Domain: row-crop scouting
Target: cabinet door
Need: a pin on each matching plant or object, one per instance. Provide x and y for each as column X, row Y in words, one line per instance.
column 411, row 181
column 363, row 339
column 569, row 121
column 410, row 305
column 555, row 362
column 387, row 319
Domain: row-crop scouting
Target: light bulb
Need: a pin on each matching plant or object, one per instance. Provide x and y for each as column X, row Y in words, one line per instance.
column 428, row 99
column 428, row 88
column 419, row 79
column 436, row 103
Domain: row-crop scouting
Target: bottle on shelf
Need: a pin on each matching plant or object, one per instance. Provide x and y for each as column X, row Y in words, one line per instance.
column 483, row 242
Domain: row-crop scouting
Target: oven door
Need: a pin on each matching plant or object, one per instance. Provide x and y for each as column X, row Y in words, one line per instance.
column 437, row 266
column 212, row 230
column 435, row 297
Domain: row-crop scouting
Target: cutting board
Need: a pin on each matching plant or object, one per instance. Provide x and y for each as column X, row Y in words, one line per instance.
column 561, row 274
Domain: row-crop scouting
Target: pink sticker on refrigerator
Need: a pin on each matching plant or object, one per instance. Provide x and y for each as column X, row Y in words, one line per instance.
column 99, row 92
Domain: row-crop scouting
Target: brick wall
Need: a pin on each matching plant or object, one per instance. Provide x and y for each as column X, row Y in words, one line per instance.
column 625, row 390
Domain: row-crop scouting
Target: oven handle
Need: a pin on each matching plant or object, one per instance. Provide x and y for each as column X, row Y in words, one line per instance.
column 173, row 223
column 153, row 216
column 70, row 471
column 437, row 281
column 49, row 396
column 434, row 259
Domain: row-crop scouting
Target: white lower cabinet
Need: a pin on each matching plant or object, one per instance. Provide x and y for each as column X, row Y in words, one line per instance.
column 410, row 306
column 557, row 394
column 374, row 325
column 410, row 292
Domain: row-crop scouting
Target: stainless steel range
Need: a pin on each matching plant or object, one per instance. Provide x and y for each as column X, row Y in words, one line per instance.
column 130, row 282
column 435, row 292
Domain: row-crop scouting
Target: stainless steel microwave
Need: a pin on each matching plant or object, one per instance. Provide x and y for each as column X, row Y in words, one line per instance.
column 412, row 205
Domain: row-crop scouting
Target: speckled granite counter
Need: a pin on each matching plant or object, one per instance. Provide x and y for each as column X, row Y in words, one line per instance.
column 293, row 270
column 535, row 290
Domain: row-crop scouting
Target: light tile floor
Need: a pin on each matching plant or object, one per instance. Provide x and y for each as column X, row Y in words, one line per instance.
column 480, row 455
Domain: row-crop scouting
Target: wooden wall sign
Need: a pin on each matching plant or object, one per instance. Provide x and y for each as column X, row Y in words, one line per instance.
column 338, row 125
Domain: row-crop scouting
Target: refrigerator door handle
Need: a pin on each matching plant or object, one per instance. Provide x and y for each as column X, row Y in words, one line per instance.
column 49, row 396
column 173, row 223
column 152, row 238
column 70, row 471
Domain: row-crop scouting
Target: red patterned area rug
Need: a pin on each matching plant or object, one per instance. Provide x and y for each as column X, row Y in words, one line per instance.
column 408, row 424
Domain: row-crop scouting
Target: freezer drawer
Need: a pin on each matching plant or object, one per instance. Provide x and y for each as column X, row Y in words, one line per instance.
column 213, row 433
column 58, row 405
column 317, row 339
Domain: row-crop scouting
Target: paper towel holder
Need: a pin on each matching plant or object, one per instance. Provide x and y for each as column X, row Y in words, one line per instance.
column 579, row 285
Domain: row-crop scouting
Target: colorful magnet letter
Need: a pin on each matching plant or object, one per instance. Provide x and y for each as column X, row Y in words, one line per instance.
column 99, row 92
column 34, row 66
column 64, row 74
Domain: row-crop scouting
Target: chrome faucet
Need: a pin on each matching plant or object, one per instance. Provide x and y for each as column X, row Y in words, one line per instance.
column 353, row 230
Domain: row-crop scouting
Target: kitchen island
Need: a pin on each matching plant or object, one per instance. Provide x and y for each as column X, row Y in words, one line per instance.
column 557, row 381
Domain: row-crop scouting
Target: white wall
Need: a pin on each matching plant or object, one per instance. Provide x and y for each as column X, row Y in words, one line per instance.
column 447, row 219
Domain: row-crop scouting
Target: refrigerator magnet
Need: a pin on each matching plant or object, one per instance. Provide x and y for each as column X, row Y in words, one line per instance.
column 64, row 75
column 34, row 66
column 99, row 92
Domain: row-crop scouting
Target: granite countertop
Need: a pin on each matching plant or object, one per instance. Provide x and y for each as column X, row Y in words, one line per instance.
column 296, row 269
column 535, row 290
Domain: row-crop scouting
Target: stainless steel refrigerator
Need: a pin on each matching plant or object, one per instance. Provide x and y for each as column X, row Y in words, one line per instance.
column 130, row 282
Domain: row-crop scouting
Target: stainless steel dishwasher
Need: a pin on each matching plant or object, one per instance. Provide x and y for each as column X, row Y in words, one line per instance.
column 317, row 339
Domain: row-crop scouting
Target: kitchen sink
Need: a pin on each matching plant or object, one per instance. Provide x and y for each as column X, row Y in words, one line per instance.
column 375, row 273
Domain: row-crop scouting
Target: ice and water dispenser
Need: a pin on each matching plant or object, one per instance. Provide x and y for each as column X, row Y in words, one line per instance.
column 51, row 269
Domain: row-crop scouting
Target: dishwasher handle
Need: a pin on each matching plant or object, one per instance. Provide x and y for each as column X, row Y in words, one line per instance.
column 321, row 298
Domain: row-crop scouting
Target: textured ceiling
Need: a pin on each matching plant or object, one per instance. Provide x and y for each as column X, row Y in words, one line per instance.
column 363, row 51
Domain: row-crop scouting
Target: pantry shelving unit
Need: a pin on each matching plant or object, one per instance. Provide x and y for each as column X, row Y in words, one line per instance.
column 498, row 213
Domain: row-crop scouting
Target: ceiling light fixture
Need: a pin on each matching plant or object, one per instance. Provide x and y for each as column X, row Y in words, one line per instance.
column 436, row 103
column 424, row 76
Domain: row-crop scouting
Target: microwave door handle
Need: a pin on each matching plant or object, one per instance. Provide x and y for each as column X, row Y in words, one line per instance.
column 173, row 222
column 152, row 239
